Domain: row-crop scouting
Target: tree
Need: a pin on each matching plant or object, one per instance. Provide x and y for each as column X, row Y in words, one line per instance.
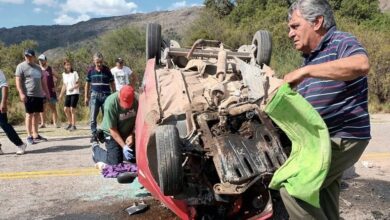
column 222, row 7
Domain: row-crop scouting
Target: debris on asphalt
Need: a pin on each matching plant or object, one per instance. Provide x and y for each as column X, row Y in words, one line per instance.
column 137, row 208
column 347, row 203
column 367, row 164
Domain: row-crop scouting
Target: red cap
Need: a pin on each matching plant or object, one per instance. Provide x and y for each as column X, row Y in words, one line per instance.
column 126, row 97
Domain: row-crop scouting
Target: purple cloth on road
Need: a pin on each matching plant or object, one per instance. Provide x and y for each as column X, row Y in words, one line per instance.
column 112, row 171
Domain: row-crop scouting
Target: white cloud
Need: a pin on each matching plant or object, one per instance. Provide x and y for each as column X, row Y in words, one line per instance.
column 197, row 5
column 49, row 3
column 84, row 10
column 37, row 10
column 178, row 5
column 12, row 1
column 99, row 7
column 65, row 19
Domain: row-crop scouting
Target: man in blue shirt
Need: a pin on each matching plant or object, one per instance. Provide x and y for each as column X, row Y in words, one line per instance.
column 333, row 79
column 99, row 85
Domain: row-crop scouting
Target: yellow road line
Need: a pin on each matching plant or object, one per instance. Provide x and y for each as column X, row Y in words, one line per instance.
column 50, row 173
column 93, row 171
column 375, row 155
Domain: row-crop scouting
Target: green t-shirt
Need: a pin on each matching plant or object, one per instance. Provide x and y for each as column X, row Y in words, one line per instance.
column 117, row 117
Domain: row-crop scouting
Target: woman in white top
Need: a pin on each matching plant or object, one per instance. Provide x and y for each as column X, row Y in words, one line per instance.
column 70, row 80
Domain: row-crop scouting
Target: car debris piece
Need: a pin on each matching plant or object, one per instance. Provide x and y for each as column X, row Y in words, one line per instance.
column 137, row 208
column 367, row 164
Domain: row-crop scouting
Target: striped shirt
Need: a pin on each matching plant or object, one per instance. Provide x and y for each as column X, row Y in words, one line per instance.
column 342, row 104
column 100, row 80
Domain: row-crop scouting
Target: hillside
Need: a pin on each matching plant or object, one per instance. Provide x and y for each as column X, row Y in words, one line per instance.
column 54, row 36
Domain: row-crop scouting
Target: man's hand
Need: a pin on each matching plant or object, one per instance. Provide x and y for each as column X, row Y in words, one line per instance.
column 3, row 108
column 295, row 77
column 128, row 153
column 48, row 97
column 23, row 98
column 86, row 101
column 130, row 140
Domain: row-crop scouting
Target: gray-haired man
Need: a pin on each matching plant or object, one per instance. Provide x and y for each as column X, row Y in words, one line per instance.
column 333, row 79
column 97, row 89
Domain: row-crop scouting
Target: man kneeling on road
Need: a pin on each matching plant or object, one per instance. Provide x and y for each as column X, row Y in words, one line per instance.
column 120, row 110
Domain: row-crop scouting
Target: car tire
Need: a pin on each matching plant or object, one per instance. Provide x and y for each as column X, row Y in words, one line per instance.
column 153, row 41
column 169, row 159
column 263, row 42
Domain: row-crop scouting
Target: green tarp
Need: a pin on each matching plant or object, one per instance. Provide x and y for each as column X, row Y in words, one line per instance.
column 305, row 170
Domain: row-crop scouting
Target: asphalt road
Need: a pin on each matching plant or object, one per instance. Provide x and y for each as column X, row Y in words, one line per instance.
column 57, row 180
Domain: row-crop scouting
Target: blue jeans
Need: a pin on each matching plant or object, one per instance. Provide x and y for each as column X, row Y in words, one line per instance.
column 95, row 103
column 9, row 130
column 113, row 155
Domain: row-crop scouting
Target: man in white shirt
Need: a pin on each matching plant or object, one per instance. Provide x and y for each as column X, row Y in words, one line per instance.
column 123, row 75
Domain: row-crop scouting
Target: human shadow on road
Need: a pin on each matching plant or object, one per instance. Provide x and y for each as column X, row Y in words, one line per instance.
column 61, row 148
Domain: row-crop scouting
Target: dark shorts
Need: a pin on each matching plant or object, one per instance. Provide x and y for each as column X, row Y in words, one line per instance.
column 71, row 100
column 34, row 104
column 52, row 101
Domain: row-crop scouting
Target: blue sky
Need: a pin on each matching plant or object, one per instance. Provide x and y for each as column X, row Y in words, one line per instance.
column 15, row 13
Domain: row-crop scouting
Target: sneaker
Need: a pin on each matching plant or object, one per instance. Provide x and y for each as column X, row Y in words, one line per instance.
column 22, row 149
column 30, row 140
column 42, row 126
column 73, row 128
column 100, row 136
column 100, row 166
column 57, row 126
column 39, row 138
column 68, row 127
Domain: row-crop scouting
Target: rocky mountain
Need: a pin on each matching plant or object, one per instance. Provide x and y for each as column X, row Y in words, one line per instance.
column 57, row 36
column 384, row 5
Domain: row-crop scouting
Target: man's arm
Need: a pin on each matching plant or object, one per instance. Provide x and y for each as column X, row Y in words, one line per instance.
column 343, row 69
column 117, row 137
column 86, row 94
column 113, row 89
column 4, row 99
column 22, row 96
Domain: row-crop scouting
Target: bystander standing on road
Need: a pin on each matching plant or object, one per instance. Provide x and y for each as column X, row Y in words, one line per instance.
column 51, row 79
column 71, row 87
column 31, row 85
column 7, row 128
column 118, row 126
column 123, row 75
column 97, row 89
column 333, row 79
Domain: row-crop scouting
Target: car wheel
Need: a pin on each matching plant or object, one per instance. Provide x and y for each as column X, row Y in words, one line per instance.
column 169, row 160
column 153, row 41
column 263, row 42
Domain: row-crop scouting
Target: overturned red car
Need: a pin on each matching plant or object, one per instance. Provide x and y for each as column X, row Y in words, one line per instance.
column 204, row 146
